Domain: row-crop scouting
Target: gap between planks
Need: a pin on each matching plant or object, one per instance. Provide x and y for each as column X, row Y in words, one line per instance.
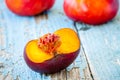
column 88, row 65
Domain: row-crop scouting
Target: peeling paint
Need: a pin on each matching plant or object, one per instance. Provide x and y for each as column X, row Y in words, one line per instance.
column 4, row 54
column 118, row 61
column 1, row 65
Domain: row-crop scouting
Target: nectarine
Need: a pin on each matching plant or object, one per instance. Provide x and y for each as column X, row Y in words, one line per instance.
column 91, row 11
column 29, row 7
column 52, row 52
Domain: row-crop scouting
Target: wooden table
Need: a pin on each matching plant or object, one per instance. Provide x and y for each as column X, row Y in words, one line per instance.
column 99, row 58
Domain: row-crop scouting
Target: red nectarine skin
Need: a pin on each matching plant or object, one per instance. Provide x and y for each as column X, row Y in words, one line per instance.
column 56, row 64
column 29, row 7
column 91, row 11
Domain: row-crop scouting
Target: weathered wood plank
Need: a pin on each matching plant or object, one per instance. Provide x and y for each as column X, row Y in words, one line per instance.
column 101, row 44
column 15, row 31
column 59, row 76
column 52, row 21
column 73, row 74
column 7, row 77
column 1, row 77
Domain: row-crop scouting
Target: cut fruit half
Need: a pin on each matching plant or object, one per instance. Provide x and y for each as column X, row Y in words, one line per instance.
column 63, row 41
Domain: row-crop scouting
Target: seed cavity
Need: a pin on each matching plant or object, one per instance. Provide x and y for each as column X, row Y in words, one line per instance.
column 49, row 43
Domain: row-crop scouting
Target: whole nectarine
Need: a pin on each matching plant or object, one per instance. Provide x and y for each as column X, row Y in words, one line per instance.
column 52, row 52
column 91, row 11
column 29, row 7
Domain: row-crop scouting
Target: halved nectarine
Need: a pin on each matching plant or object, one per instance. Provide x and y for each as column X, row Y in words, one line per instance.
column 53, row 51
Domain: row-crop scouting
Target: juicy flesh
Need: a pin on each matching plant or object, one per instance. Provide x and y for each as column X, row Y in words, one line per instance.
column 69, row 39
column 65, row 41
column 35, row 54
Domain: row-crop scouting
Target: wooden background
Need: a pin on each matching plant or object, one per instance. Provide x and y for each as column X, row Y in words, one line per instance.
column 99, row 58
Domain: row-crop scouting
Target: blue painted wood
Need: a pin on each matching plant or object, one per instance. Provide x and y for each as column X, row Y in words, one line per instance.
column 16, row 31
column 55, row 22
column 102, row 47
column 101, row 43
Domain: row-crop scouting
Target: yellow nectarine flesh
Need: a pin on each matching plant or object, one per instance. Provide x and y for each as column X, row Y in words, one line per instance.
column 69, row 39
column 63, row 41
column 39, row 55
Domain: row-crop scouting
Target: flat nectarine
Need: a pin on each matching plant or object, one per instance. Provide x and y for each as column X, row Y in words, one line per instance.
column 52, row 52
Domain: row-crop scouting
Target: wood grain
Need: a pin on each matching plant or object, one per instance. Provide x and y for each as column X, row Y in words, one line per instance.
column 59, row 76
column 7, row 77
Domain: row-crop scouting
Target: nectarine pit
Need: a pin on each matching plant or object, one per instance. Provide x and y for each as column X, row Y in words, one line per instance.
column 49, row 43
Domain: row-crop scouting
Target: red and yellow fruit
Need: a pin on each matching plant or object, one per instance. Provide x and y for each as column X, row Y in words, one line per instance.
column 52, row 52
column 91, row 11
column 29, row 7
